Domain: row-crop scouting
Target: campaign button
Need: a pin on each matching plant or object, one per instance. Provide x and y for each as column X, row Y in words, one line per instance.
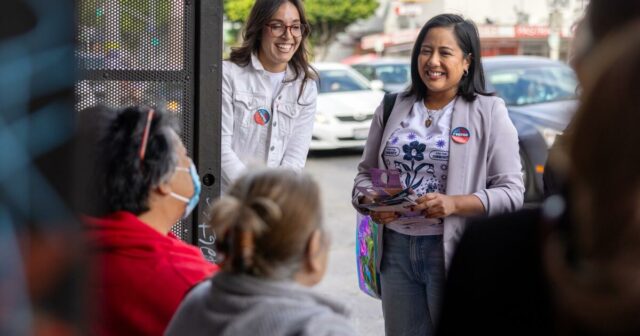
column 460, row 135
column 261, row 117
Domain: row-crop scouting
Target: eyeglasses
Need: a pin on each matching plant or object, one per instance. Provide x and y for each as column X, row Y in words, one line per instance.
column 145, row 135
column 279, row 29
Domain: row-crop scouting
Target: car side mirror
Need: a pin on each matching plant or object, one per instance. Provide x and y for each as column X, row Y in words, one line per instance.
column 377, row 84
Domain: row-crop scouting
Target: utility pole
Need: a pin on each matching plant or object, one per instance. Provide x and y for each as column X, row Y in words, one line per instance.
column 555, row 26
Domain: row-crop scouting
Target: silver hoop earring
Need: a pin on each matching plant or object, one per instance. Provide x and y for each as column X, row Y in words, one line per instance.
column 466, row 73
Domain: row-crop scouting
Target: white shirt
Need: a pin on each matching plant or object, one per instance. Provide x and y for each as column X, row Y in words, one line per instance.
column 421, row 154
column 260, row 127
column 276, row 79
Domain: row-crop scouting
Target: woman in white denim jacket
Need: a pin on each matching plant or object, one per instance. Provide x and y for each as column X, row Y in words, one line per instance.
column 268, row 92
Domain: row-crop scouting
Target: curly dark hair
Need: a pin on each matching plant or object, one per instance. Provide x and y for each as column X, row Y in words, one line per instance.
column 125, row 180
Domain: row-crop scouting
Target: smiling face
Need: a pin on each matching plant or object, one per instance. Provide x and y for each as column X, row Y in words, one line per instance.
column 441, row 64
column 276, row 51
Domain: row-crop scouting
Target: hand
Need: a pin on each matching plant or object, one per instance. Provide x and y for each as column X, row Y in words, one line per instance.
column 368, row 200
column 436, row 205
column 383, row 217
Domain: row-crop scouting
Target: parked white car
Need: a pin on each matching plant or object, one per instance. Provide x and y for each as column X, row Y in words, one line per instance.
column 345, row 107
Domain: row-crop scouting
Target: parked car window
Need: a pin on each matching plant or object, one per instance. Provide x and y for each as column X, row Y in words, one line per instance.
column 534, row 85
column 393, row 73
column 365, row 70
column 340, row 81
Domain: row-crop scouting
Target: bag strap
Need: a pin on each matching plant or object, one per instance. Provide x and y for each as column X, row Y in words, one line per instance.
column 388, row 102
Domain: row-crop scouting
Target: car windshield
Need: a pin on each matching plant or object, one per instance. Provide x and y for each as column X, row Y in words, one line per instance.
column 340, row 81
column 387, row 73
column 525, row 86
column 393, row 73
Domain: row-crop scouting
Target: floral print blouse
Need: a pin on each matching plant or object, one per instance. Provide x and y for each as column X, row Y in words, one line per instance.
column 421, row 154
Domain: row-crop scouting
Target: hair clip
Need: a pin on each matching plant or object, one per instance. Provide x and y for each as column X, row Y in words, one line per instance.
column 145, row 135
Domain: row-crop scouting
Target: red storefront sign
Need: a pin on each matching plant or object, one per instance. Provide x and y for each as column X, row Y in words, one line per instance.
column 532, row 31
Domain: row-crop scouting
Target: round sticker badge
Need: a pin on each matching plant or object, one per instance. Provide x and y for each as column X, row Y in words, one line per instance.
column 460, row 135
column 262, row 117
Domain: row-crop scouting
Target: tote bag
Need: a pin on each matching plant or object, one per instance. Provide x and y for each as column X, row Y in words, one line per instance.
column 366, row 250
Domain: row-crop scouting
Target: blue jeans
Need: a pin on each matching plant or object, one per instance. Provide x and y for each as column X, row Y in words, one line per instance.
column 412, row 277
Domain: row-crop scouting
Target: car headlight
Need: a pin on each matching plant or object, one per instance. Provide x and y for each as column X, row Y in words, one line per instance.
column 549, row 135
column 322, row 118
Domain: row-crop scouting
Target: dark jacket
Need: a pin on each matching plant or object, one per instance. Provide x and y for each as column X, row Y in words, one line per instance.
column 496, row 284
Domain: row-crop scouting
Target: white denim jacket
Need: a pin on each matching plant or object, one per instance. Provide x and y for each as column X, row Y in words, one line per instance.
column 284, row 140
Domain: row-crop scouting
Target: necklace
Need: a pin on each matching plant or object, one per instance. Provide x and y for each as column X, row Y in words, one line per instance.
column 429, row 120
column 430, row 113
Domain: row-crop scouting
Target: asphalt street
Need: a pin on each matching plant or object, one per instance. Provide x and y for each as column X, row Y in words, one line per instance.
column 335, row 172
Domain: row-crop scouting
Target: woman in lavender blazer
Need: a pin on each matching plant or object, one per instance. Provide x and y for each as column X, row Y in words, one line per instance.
column 456, row 147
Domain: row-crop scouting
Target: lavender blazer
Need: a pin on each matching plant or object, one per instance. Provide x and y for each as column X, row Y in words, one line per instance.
column 487, row 166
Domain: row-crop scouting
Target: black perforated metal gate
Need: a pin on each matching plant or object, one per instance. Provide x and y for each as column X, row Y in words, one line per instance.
column 165, row 53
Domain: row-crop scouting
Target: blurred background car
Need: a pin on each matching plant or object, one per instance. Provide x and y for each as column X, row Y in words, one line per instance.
column 345, row 106
column 540, row 95
column 388, row 74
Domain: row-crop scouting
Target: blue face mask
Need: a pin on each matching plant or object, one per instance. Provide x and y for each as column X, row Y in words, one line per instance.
column 193, row 201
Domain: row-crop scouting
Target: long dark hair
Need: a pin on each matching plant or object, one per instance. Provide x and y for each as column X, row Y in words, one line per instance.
column 468, row 40
column 261, row 14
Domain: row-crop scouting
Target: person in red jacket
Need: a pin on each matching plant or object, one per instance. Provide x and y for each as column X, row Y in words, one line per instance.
column 146, row 182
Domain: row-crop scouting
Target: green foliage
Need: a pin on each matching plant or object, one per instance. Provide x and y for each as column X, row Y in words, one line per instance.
column 339, row 11
column 330, row 17
column 238, row 10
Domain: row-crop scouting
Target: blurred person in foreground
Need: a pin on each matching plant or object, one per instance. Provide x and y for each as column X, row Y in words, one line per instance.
column 456, row 147
column 271, row 234
column 146, row 181
column 572, row 267
column 602, row 17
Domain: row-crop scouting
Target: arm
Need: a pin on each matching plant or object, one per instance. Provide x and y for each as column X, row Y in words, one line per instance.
column 295, row 154
column 437, row 205
column 369, row 157
column 231, row 165
column 505, row 188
